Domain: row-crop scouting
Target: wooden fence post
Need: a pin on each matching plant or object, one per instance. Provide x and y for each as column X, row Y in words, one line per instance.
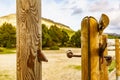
column 28, row 39
column 117, row 54
column 90, row 49
column 104, row 68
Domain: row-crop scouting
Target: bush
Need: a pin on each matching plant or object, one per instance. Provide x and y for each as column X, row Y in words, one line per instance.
column 7, row 35
column 112, row 66
column 1, row 50
column 54, row 48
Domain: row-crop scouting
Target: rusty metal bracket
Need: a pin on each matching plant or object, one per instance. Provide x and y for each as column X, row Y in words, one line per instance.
column 108, row 59
column 41, row 56
column 70, row 54
column 101, row 50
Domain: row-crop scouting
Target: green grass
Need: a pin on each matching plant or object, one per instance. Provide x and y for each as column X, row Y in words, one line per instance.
column 77, row 67
column 112, row 66
column 7, row 51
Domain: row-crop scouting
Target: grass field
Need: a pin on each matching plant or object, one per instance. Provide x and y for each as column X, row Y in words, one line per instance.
column 7, row 50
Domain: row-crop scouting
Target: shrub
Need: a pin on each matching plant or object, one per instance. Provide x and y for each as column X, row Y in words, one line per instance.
column 7, row 35
column 54, row 48
column 1, row 49
column 112, row 66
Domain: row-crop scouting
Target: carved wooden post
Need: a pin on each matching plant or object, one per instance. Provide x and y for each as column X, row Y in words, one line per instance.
column 28, row 39
column 103, row 65
column 89, row 49
column 117, row 53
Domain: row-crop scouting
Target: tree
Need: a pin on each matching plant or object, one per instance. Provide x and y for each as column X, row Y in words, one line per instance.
column 7, row 35
column 46, row 39
column 56, row 34
column 75, row 39
column 53, row 36
column 65, row 38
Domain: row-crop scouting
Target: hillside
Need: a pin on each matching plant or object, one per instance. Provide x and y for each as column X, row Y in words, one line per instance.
column 11, row 18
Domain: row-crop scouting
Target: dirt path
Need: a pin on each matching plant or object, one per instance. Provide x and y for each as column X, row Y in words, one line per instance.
column 8, row 67
column 59, row 66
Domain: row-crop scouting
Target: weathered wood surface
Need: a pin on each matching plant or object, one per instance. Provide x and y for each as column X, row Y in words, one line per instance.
column 89, row 49
column 28, row 39
column 84, row 48
column 103, row 65
column 117, row 54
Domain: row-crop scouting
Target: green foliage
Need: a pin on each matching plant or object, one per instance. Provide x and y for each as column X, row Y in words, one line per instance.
column 1, row 49
column 112, row 66
column 65, row 38
column 7, row 35
column 69, row 32
column 113, row 37
column 76, row 40
column 54, row 48
column 77, row 67
column 46, row 38
column 53, row 36
column 7, row 51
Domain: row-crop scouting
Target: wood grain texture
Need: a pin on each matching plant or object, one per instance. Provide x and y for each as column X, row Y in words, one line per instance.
column 117, row 54
column 28, row 39
column 84, row 48
column 103, row 65
column 93, row 46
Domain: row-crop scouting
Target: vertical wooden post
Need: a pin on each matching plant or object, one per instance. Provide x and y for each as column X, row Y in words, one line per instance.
column 90, row 49
column 104, row 68
column 117, row 54
column 28, row 39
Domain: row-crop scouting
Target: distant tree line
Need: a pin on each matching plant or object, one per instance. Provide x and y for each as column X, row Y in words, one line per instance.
column 110, row 36
column 57, row 37
column 52, row 37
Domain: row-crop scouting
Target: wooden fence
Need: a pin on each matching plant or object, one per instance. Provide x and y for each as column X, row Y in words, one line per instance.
column 29, row 55
column 94, row 52
column 117, row 54
column 93, row 48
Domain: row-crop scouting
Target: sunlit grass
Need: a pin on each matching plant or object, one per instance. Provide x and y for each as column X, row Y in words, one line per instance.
column 112, row 66
column 77, row 67
column 7, row 51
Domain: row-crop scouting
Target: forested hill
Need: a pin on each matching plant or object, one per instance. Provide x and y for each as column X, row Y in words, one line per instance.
column 11, row 18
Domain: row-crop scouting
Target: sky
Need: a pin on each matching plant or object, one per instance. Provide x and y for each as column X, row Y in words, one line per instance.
column 71, row 12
